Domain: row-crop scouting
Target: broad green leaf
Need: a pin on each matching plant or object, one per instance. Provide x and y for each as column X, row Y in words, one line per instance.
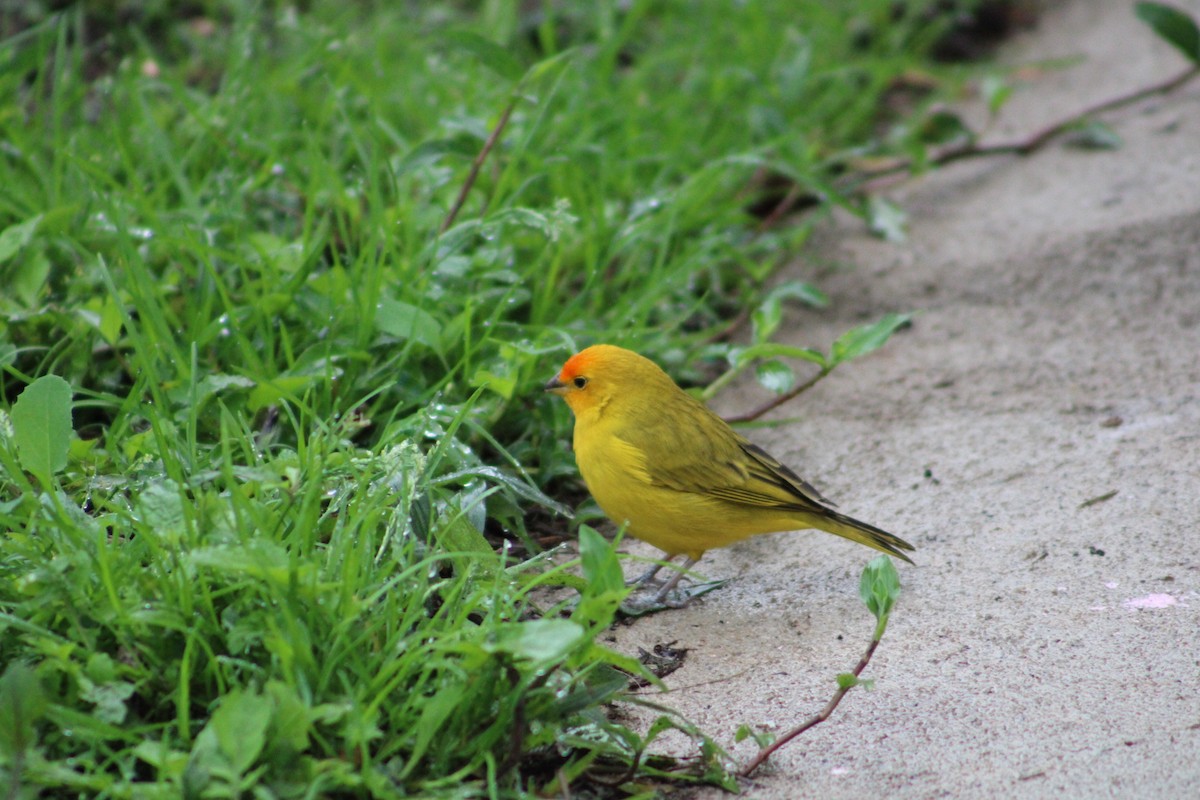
column 775, row 376
column 494, row 56
column 277, row 253
column 430, row 152
column 599, row 654
column 539, row 640
column 291, row 723
column 41, row 420
column 269, row 393
column 879, row 586
column 109, row 699
column 420, row 515
column 551, row 225
column 740, row 356
column 460, row 536
column 434, row 712
column 111, row 320
column 761, row 738
column 170, row 763
column 600, row 564
column 800, row 290
column 160, row 506
column 15, row 237
column 22, row 703
column 660, row 726
column 101, row 668
column 502, row 385
column 1173, row 25
column 866, row 338
column 217, row 383
column 84, row 449
column 472, row 502
column 408, row 322
column 512, row 482
column 548, row 65
column 261, row 559
column 765, row 319
column 362, row 726
column 204, row 760
column 602, row 685
column 29, row 276
column 847, row 680
column 240, row 724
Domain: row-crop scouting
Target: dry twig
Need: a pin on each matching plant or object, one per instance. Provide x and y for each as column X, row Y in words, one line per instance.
column 779, row 400
column 477, row 164
column 1032, row 143
column 823, row 715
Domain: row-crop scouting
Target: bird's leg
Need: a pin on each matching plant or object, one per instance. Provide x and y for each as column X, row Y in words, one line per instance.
column 649, row 574
column 661, row 597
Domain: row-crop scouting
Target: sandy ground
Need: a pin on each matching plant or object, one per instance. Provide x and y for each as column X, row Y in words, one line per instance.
column 1041, row 647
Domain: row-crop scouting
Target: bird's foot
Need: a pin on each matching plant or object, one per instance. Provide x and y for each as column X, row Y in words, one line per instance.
column 647, row 577
column 641, row 603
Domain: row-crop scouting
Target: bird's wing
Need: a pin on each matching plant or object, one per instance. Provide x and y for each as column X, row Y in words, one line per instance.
column 767, row 473
column 696, row 451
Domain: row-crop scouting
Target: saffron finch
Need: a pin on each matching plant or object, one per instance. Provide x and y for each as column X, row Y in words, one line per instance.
column 656, row 458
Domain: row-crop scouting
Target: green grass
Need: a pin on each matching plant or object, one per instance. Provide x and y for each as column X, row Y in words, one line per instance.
column 268, row 560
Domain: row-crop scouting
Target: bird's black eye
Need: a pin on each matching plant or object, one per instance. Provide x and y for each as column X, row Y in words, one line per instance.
column 580, row 382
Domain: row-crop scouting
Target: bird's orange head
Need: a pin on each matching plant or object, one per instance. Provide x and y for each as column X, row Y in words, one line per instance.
column 594, row 377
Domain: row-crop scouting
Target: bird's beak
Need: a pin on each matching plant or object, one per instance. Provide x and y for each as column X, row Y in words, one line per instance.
column 555, row 385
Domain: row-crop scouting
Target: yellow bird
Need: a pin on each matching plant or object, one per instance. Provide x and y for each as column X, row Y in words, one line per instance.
column 657, row 459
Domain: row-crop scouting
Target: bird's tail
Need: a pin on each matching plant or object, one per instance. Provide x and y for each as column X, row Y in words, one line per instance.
column 861, row 532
